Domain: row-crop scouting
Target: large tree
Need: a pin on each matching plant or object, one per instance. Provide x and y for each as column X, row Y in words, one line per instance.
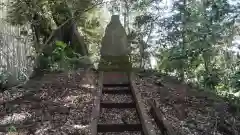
column 55, row 20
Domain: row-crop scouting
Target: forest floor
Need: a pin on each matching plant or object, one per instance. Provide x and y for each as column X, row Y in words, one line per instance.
column 187, row 110
column 56, row 104
column 59, row 104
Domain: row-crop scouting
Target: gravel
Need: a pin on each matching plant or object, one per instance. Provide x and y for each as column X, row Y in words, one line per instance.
column 126, row 98
column 117, row 116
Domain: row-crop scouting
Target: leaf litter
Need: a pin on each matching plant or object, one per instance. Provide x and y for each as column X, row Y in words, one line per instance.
column 188, row 111
column 55, row 104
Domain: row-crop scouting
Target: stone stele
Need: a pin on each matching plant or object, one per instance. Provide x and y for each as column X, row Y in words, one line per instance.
column 114, row 42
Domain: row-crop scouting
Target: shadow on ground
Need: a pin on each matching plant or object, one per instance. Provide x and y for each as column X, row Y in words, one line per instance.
column 55, row 104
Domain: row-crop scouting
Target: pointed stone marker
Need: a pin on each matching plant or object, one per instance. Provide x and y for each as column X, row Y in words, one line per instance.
column 114, row 42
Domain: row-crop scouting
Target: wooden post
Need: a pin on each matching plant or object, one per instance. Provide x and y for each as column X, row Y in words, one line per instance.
column 145, row 120
column 160, row 120
column 96, row 106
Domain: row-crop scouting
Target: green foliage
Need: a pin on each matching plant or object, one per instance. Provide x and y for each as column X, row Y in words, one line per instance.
column 212, row 79
column 62, row 57
column 45, row 15
column 235, row 81
column 193, row 36
column 59, row 51
column 12, row 129
column 192, row 41
column 3, row 77
column 234, row 102
column 143, row 19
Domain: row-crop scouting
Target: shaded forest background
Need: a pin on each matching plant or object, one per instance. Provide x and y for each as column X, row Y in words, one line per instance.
column 195, row 41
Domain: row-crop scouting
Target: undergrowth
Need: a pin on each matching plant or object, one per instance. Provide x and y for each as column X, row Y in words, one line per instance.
column 63, row 57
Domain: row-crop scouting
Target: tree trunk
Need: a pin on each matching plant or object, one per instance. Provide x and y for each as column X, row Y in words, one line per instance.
column 67, row 33
column 183, row 17
column 126, row 17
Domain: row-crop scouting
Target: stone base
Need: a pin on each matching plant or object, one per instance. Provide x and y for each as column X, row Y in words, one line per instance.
column 115, row 78
column 115, row 64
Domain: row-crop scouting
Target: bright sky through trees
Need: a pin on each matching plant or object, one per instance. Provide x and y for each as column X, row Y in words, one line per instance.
column 166, row 5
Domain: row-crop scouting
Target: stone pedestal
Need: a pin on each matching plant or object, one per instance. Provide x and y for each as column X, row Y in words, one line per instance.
column 115, row 78
column 115, row 63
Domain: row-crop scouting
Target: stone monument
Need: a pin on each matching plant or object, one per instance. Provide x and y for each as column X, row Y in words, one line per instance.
column 115, row 52
column 115, row 48
column 114, row 42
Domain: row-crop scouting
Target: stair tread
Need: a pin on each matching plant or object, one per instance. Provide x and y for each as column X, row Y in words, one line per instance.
column 119, row 127
column 119, row 91
column 107, row 104
column 117, row 85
